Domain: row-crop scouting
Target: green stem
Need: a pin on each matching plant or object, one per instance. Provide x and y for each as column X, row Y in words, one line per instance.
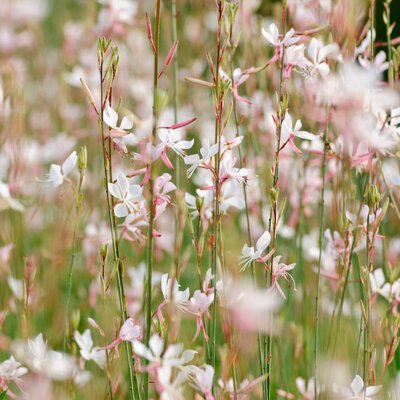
column 150, row 249
column 133, row 385
column 321, row 233
column 175, row 104
column 216, row 214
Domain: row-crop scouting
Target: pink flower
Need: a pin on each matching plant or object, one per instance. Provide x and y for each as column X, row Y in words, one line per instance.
column 129, row 332
column 281, row 270
column 199, row 305
column 163, row 186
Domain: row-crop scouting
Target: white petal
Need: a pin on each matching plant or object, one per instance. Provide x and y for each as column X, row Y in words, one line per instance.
column 263, row 241
column 357, row 385
column 126, row 123
column 306, row 135
column 312, row 50
column 140, row 349
column 192, row 159
column 110, row 117
column 156, row 345
column 69, row 163
column 371, row 390
column 55, row 176
column 135, row 191
column 120, row 210
column 123, row 183
column 185, row 144
column 115, row 190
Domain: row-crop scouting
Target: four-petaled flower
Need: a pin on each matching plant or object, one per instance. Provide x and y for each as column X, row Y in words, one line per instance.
column 127, row 194
column 249, row 254
column 357, row 390
column 88, row 352
column 129, row 332
column 10, row 371
column 172, row 294
column 281, row 270
column 289, row 133
column 203, row 379
column 173, row 356
column 207, row 152
column 199, row 305
column 58, row 173
column 274, row 38
column 172, row 140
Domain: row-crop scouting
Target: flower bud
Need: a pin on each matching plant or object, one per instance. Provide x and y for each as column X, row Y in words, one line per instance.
column 82, row 159
column 376, row 196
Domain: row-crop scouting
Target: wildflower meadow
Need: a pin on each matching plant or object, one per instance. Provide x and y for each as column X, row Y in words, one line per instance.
column 200, row 199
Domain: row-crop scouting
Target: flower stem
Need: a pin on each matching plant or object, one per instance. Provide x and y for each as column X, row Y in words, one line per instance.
column 133, row 385
column 150, row 249
column 216, row 214
column 321, row 233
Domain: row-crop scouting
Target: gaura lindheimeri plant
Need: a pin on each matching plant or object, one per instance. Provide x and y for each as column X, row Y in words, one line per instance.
column 199, row 202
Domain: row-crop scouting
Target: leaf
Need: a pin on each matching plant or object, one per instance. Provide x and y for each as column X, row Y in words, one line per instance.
column 200, row 82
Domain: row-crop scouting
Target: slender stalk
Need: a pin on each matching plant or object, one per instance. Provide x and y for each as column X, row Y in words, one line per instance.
column 133, row 385
column 216, row 214
column 267, row 356
column 175, row 105
column 108, row 369
column 71, row 267
column 321, row 233
column 248, row 225
column 78, row 209
column 150, row 248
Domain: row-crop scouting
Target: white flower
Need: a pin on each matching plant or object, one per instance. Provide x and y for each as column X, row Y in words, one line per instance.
column 273, row 37
column 118, row 133
column 288, row 133
column 172, row 140
column 16, row 286
column 6, row 201
column 171, row 357
column 318, row 53
column 203, row 379
column 88, row 352
column 377, row 280
column 55, row 365
column 171, row 292
column 356, row 390
column 207, row 152
column 249, row 254
column 169, row 388
column 10, row 371
column 110, row 117
column 127, row 194
column 294, row 57
column 307, row 392
column 58, row 173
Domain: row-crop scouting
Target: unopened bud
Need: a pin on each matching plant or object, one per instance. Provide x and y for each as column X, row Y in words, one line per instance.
column 82, row 159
